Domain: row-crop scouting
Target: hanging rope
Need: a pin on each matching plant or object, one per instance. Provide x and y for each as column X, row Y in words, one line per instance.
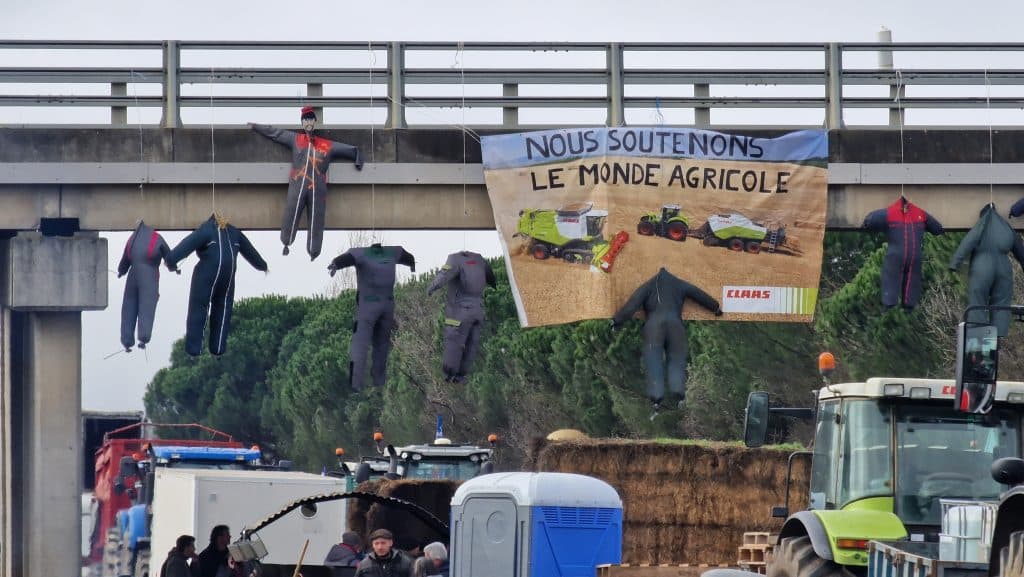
column 138, row 122
column 373, row 185
column 213, row 153
column 899, row 116
column 459, row 59
column 991, row 148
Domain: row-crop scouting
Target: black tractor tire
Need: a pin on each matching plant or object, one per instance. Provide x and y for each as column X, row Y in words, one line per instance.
column 795, row 557
column 676, row 231
column 736, row 244
column 753, row 246
column 540, row 251
column 142, row 564
column 645, row 227
column 1012, row 556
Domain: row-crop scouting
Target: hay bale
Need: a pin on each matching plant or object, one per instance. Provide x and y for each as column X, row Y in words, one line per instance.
column 435, row 496
column 567, row 435
column 684, row 503
column 358, row 508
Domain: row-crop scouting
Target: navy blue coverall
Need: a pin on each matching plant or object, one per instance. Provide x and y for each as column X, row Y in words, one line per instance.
column 905, row 224
column 213, row 281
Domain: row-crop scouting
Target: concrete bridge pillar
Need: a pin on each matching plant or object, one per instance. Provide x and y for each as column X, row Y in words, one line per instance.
column 46, row 284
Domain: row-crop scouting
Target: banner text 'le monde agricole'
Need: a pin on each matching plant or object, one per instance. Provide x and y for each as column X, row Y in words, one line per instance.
column 587, row 215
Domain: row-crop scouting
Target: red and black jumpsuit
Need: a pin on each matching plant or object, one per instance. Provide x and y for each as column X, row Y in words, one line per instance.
column 905, row 225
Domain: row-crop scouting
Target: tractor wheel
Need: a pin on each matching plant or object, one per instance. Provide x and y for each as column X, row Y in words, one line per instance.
column 645, row 228
column 736, row 244
column 1012, row 556
column 795, row 557
column 142, row 564
column 540, row 251
column 753, row 246
column 676, row 231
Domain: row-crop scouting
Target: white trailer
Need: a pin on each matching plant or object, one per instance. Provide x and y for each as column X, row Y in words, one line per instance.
column 193, row 501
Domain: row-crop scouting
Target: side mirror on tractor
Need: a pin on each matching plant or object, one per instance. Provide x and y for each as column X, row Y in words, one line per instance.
column 977, row 367
column 755, row 420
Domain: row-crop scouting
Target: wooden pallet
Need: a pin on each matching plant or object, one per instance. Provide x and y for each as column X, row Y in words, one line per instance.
column 646, row 570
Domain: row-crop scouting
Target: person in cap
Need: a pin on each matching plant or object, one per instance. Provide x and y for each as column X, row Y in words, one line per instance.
column 384, row 560
column 348, row 553
column 307, row 187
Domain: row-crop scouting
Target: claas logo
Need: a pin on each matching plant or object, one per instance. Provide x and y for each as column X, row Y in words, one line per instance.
column 748, row 294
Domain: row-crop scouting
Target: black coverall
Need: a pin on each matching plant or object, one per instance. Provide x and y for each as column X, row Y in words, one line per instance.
column 375, row 306
column 664, row 346
column 989, row 278
column 905, row 224
column 213, row 281
column 307, row 187
column 141, row 262
column 467, row 274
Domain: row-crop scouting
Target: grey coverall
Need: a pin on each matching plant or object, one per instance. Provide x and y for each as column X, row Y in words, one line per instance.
column 141, row 262
column 664, row 346
column 989, row 278
column 467, row 274
column 375, row 306
column 307, row 187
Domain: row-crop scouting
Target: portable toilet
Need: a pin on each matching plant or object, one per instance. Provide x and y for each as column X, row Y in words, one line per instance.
column 534, row 525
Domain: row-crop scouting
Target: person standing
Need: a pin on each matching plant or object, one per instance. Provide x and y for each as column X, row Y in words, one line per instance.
column 348, row 553
column 181, row 560
column 384, row 560
column 213, row 561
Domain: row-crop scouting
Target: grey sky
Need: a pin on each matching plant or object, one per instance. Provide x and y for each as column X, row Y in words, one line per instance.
column 118, row 382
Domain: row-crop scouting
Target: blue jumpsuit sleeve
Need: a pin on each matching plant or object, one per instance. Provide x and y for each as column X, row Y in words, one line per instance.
column 125, row 264
column 877, row 220
column 703, row 299
column 932, row 225
column 1018, row 249
column 445, row 276
column 407, row 259
column 250, row 253
column 191, row 243
column 1017, row 209
column 967, row 246
column 489, row 275
column 633, row 304
column 343, row 260
column 346, row 151
column 285, row 137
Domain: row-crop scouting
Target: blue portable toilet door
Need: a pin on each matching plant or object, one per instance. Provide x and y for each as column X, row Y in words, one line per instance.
column 487, row 538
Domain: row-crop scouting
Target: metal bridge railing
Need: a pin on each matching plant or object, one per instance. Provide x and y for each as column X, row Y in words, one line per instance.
column 615, row 77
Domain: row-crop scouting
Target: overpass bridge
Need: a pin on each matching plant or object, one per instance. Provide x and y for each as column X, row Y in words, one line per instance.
column 949, row 138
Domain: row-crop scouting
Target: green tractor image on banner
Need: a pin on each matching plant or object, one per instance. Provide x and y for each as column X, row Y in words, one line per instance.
column 669, row 224
column 574, row 232
column 740, row 233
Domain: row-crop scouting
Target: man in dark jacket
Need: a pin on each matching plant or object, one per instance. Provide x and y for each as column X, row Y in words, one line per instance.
column 664, row 346
column 213, row 561
column 307, row 187
column 348, row 553
column 384, row 561
column 178, row 559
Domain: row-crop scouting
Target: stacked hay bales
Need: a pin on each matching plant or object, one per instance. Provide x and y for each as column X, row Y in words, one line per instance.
column 435, row 496
column 683, row 503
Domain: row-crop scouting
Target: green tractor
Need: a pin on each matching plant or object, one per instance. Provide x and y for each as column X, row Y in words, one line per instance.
column 574, row 233
column 889, row 457
column 669, row 224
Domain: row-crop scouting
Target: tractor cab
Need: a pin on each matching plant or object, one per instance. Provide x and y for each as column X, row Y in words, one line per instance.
column 670, row 211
